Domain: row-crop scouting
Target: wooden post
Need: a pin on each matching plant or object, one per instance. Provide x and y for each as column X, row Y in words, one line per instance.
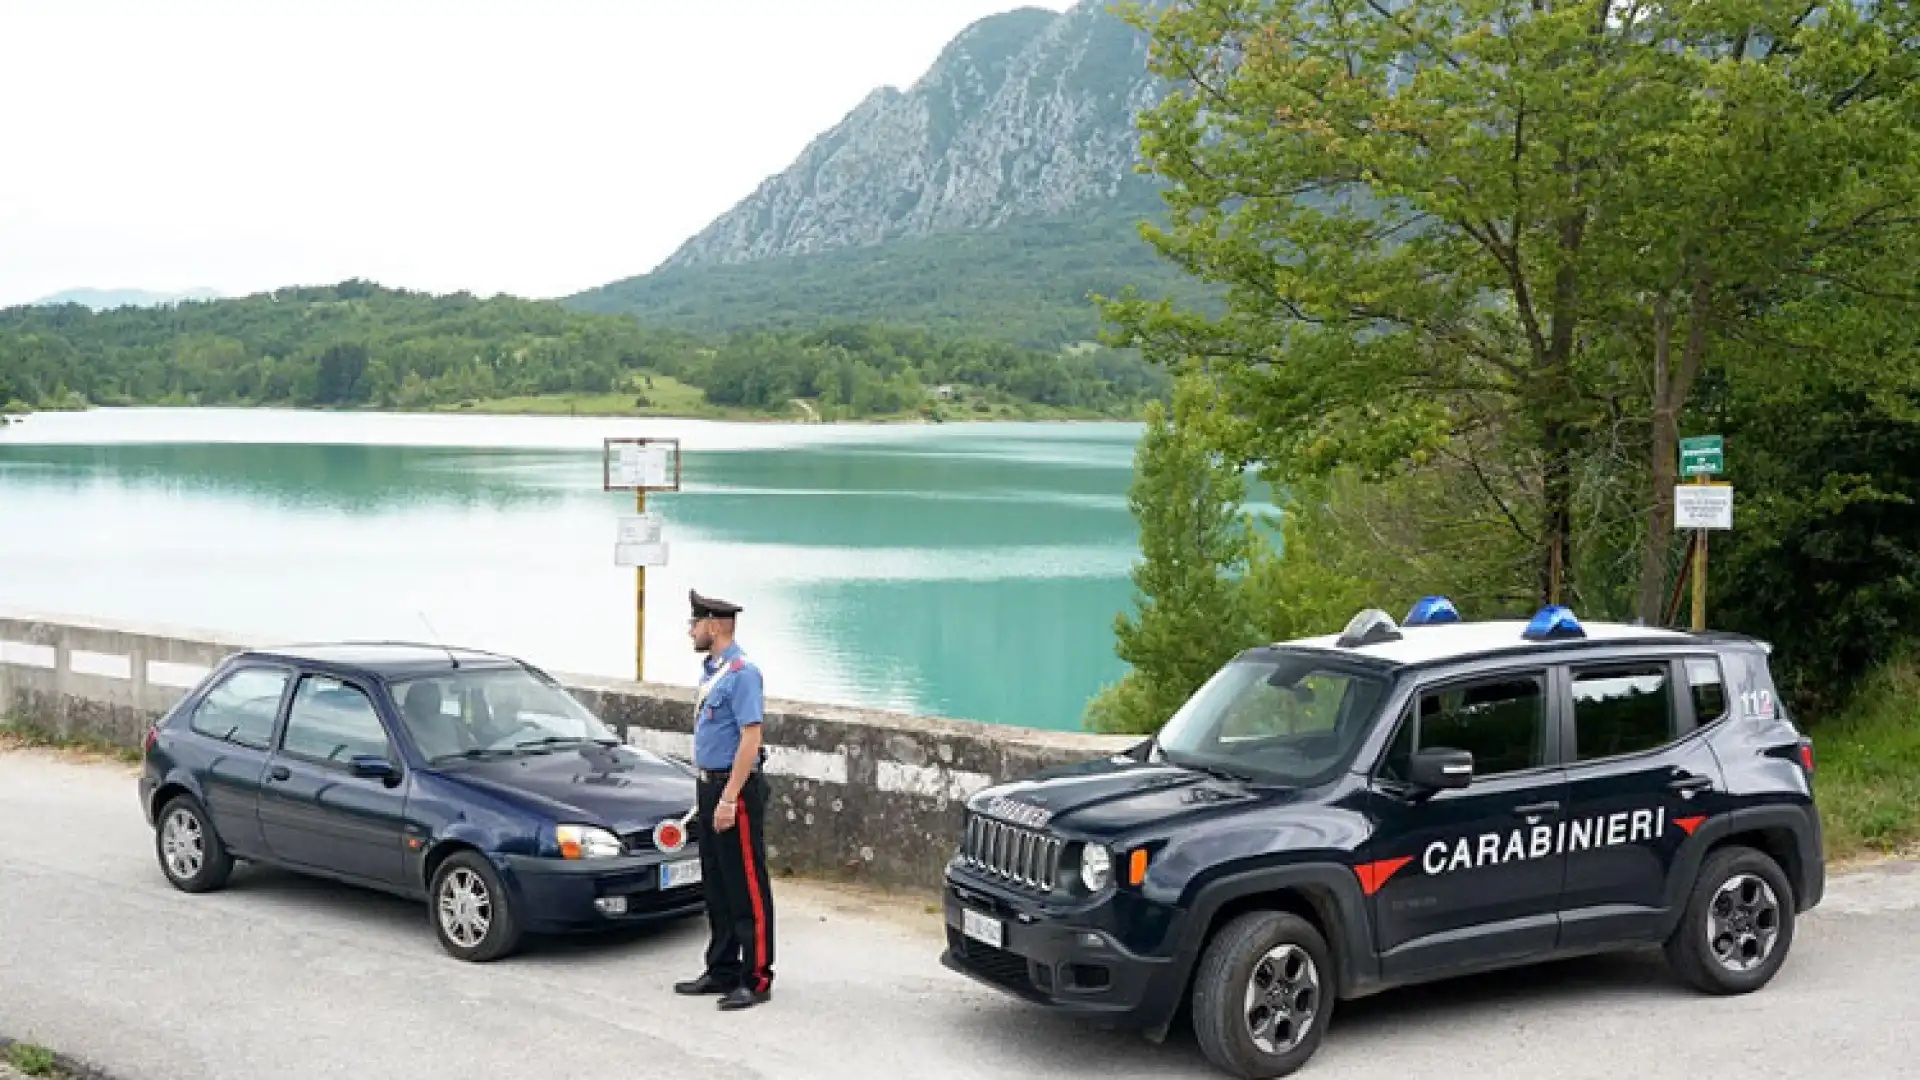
column 1700, row 575
column 640, row 602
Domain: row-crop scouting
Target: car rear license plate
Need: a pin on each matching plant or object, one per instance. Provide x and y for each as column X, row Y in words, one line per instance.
column 982, row 928
column 673, row 875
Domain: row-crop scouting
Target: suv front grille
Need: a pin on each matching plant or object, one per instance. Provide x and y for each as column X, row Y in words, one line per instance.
column 1010, row 853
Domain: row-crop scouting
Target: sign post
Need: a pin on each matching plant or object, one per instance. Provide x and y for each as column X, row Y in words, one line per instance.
column 640, row 465
column 1701, row 506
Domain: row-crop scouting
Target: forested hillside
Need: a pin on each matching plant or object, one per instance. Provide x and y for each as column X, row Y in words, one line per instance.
column 1029, row 283
column 358, row 344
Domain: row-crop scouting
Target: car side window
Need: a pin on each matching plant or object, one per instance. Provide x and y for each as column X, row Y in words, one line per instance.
column 1622, row 709
column 242, row 707
column 1708, row 687
column 1501, row 721
column 332, row 723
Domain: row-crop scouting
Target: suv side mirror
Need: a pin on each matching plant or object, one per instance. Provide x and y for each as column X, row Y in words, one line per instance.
column 369, row 767
column 1438, row 768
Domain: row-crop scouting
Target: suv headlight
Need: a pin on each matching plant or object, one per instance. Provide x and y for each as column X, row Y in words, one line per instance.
column 586, row 842
column 1096, row 867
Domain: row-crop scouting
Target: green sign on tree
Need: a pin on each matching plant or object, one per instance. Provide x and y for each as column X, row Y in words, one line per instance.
column 1702, row 455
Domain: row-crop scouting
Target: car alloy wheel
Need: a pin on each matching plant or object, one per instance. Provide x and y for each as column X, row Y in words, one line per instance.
column 188, row 847
column 1282, row 998
column 466, row 908
column 1743, row 922
column 470, row 909
column 183, row 844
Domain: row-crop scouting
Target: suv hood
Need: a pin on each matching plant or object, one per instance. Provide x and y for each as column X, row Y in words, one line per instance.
column 1112, row 795
column 616, row 787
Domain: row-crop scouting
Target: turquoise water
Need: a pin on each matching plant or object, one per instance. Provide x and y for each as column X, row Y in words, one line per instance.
column 970, row 571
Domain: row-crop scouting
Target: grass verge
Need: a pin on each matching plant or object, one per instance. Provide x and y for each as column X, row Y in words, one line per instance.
column 18, row 736
column 1868, row 767
column 31, row 1060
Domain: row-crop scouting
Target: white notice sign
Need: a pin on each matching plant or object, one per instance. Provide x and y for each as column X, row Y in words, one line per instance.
column 639, row 529
column 1703, row 506
column 648, row 554
column 642, row 465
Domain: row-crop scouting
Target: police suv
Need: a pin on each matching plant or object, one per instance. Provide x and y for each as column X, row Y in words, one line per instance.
column 1331, row 817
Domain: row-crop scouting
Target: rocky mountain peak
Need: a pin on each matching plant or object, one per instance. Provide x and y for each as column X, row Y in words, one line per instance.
column 1028, row 113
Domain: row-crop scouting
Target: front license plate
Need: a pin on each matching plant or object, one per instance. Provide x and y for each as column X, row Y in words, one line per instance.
column 981, row 928
column 675, row 874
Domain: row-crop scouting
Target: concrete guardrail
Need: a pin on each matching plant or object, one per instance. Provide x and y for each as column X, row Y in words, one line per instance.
column 856, row 794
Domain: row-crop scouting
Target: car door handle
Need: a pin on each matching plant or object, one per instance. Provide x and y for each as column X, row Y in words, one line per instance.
column 1690, row 783
column 279, row 772
column 1531, row 809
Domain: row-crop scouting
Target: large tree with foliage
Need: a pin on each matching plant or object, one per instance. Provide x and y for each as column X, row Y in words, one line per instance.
column 1498, row 243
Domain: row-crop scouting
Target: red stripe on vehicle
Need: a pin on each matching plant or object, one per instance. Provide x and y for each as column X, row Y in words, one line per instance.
column 1690, row 823
column 759, row 910
column 1375, row 874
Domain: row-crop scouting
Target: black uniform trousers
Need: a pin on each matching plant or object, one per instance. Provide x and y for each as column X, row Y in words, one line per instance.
column 733, row 870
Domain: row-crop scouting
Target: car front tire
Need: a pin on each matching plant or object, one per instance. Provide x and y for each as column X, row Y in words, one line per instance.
column 189, row 850
column 472, row 914
column 1738, row 924
column 1263, row 995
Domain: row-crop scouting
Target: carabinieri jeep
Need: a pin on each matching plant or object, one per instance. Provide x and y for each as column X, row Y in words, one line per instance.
column 1332, row 817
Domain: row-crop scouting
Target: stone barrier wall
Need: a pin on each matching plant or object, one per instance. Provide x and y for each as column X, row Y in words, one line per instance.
column 857, row 795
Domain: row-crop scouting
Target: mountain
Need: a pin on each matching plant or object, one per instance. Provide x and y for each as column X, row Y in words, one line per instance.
column 108, row 299
column 993, row 195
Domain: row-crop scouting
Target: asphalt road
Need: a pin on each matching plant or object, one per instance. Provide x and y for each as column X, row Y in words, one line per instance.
column 280, row 977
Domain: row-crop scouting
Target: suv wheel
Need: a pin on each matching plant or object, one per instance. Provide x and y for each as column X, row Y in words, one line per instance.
column 1738, row 924
column 190, row 852
column 472, row 916
column 1262, row 997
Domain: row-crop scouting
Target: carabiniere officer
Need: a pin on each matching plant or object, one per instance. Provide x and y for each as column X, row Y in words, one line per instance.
column 728, row 753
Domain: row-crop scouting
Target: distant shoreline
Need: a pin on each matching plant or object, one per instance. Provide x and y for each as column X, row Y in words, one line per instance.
column 596, row 406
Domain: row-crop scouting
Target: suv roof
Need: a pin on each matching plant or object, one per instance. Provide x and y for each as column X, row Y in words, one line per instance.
column 1423, row 643
column 388, row 659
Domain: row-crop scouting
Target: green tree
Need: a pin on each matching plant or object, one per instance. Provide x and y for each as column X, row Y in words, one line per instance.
column 1195, row 541
column 1501, row 239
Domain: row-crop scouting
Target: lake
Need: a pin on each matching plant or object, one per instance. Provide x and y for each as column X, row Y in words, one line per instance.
column 962, row 570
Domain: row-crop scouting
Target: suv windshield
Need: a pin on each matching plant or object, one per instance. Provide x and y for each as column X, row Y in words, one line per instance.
column 492, row 711
column 1274, row 715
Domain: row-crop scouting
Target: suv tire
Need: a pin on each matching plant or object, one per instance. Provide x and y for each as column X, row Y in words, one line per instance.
column 189, row 850
column 1256, row 961
column 470, row 910
column 1738, row 924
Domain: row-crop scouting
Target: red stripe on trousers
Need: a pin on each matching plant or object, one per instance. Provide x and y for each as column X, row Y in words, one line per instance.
column 753, row 892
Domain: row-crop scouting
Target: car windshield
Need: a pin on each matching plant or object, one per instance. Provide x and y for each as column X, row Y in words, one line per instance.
column 1273, row 715
column 488, row 711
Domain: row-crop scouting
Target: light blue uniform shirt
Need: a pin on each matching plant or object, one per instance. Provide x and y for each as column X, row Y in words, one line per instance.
column 734, row 703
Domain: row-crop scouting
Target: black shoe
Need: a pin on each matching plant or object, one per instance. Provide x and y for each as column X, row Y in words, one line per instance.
column 705, row 984
column 742, row 998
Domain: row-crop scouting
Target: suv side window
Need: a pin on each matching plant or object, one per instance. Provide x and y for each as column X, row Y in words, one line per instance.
column 1622, row 709
column 1501, row 720
column 242, row 707
column 332, row 722
column 1709, row 688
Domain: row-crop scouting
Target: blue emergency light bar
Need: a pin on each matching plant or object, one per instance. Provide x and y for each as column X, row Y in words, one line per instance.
column 1429, row 610
column 1553, row 623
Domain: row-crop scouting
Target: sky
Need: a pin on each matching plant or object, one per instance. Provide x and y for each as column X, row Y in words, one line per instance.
column 536, row 147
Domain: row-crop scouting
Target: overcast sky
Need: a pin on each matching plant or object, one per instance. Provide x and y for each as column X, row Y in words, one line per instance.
column 536, row 147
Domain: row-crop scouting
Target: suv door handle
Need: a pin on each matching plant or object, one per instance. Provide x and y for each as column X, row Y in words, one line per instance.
column 1530, row 809
column 280, row 772
column 1690, row 782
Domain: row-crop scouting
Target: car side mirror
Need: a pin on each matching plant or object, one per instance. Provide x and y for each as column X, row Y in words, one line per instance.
column 369, row 767
column 1439, row 768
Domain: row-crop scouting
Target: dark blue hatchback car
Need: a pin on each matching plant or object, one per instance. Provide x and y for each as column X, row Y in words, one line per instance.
column 469, row 780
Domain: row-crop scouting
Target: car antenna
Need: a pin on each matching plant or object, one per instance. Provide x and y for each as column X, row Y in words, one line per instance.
column 451, row 659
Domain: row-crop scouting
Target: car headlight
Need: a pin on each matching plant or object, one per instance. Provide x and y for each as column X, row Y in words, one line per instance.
column 1096, row 867
column 586, row 842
